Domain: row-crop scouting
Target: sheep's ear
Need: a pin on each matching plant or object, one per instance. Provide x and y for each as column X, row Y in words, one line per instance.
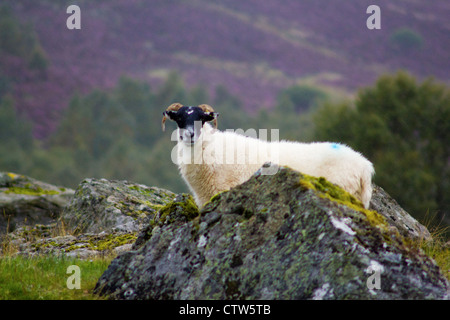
column 167, row 114
column 170, row 114
column 211, row 116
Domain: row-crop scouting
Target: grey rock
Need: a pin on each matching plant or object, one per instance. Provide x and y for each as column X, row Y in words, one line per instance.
column 396, row 216
column 29, row 242
column 120, row 206
column 25, row 201
column 285, row 236
column 102, row 218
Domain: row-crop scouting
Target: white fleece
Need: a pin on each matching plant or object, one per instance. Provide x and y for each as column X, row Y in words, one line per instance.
column 221, row 160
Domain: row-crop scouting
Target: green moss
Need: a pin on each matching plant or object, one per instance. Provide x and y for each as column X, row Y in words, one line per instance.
column 334, row 193
column 92, row 242
column 39, row 231
column 112, row 241
column 215, row 197
column 154, row 206
column 29, row 190
column 186, row 208
column 151, row 198
column 143, row 191
column 12, row 175
column 74, row 247
column 130, row 208
column 160, row 195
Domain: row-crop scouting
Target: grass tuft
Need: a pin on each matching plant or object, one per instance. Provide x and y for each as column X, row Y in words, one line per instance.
column 438, row 248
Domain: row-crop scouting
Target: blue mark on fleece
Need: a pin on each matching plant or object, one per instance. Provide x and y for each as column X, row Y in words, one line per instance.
column 335, row 146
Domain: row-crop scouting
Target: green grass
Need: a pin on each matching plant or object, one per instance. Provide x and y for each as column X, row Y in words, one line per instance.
column 441, row 254
column 45, row 278
column 439, row 249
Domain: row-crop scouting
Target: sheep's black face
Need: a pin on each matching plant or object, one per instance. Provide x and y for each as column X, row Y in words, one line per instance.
column 190, row 121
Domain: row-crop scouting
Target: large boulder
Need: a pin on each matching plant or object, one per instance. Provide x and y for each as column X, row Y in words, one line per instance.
column 286, row 236
column 25, row 201
column 101, row 217
column 111, row 205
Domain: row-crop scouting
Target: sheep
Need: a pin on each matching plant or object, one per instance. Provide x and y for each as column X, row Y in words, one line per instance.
column 211, row 161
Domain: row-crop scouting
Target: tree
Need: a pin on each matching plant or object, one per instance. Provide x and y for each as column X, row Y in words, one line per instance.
column 405, row 40
column 301, row 97
column 20, row 40
column 292, row 113
column 198, row 95
column 10, row 33
column 13, row 127
column 231, row 113
column 403, row 127
column 38, row 59
column 93, row 123
column 15, row 136
column 172, row 91
column 137, row 99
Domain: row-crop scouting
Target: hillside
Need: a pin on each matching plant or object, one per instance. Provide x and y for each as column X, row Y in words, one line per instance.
column 254, row 48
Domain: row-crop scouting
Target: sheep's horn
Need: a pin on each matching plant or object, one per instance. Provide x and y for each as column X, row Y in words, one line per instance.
column 208, row 108
column 172, row 107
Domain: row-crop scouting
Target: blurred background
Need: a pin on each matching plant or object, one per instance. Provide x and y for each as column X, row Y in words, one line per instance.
column 88, row 103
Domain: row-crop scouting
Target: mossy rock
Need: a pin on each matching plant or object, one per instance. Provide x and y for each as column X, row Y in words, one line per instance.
column 83, row 246
column 176, row 213
column 182, row 208
column 25, row 201
column 110, row 205
column 285, row 236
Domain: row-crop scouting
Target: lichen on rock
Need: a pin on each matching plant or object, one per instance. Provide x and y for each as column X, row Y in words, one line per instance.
column 281, row 236
column 104, row 217
column 181, row 210
column 110, row 205
column 274, row 237
column 25, row 201
column 82, row 246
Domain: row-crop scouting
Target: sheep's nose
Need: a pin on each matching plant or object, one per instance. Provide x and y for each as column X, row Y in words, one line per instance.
column 187, row 135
